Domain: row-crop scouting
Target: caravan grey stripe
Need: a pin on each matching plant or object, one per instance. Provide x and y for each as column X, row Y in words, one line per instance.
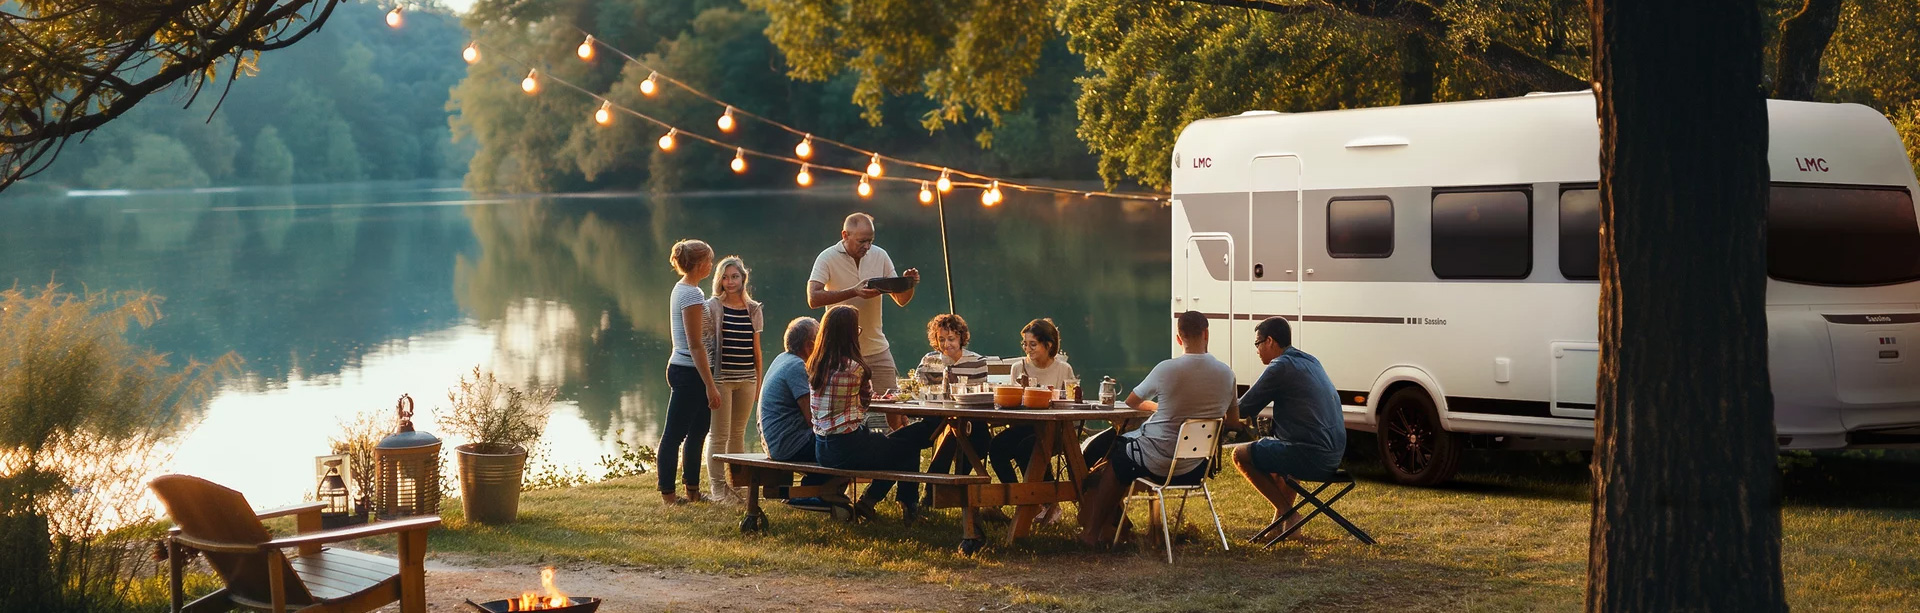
column 1343, row 319
column 1868, row 320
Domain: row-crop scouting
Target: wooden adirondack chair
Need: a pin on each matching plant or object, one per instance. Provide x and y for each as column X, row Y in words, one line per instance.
column 260, row 574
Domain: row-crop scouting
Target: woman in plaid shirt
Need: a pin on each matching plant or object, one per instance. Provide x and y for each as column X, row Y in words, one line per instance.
column 841, row 391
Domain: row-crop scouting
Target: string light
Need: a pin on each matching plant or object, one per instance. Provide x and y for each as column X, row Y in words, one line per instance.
column 666, row 142
column 805, row 148
column 739, row 163
column 804, row 178
column 471, row 54
column 726, row 120
column 393, row 17
column 926, row 195
column 995, row 190
column 873, row 167
column 531, row 84
column 865, row 189
column 648, row 86
column 585, row 51
column 945, row 184
column 604, row 116
column 991, row 196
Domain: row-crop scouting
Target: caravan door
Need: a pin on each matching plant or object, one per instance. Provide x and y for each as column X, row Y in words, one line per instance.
column 1274, row 218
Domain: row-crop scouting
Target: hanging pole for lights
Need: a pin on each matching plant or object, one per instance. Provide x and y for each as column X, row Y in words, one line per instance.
column 947, row 262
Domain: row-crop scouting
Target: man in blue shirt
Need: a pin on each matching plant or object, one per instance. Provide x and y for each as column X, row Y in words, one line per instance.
column 1309, row 436
column 784, row 420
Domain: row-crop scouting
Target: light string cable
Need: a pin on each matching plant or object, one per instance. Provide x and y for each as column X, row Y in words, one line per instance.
column 672, row 130
column 984, row 181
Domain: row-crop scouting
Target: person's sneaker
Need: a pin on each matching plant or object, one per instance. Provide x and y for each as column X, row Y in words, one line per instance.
column 810, row 504
column 863, row 511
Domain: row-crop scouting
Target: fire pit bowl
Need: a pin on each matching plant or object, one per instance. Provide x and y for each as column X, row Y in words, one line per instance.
column 581, row 604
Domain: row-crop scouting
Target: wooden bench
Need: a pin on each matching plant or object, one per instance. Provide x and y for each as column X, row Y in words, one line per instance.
column 773, row 479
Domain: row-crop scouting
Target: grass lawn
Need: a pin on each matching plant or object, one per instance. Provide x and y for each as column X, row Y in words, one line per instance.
column 1509, row 534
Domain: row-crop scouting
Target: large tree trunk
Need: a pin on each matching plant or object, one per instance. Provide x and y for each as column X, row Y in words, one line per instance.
column 1416, row 70
column 1684, row 516
column 1803, row 40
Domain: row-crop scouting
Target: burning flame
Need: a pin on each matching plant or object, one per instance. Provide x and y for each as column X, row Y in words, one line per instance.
column 531, row 601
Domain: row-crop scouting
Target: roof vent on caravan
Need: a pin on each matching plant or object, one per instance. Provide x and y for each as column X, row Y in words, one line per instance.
column 1256, row 113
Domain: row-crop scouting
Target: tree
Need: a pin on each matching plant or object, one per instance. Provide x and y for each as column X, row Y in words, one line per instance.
column 272, row 163
column 1682, row 523
column 70, row 66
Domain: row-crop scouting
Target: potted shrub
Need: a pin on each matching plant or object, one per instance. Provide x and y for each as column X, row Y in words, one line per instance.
column 499, row 422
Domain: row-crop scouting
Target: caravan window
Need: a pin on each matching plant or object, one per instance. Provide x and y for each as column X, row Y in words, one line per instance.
column 1580, row 234
column 1483, row 234
column 1844, row 236
column 1360, row 228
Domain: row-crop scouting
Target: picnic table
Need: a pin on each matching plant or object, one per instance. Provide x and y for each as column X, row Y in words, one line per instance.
column 1039, row 486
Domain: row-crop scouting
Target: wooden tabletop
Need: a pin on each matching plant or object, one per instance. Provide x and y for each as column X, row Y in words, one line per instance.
column 918, row 410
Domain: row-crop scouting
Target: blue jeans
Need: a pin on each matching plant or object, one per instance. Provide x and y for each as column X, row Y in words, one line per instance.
column 685, row 434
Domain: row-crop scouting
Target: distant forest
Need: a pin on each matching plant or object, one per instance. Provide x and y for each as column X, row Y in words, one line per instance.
column 355, row 101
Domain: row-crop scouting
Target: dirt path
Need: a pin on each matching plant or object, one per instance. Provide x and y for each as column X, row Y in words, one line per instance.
column 634, row 590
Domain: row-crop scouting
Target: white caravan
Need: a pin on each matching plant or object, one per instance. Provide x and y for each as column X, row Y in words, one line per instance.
column 1441, row 259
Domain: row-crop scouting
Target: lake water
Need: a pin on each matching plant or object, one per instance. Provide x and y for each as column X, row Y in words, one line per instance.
column 340, row 298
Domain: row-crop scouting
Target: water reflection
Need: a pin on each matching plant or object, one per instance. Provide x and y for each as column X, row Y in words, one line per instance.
column 341, row 298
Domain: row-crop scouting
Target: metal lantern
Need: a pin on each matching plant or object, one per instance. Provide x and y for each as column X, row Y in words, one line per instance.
column 409, row 469
column 332, row 491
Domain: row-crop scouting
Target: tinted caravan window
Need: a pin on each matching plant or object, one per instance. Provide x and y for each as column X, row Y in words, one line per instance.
column 1824, row 235
column 1580, row 234
column 1360, row 228
column 1482, row 234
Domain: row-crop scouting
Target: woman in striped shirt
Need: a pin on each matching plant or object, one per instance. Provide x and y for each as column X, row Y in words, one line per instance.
column 733, row 318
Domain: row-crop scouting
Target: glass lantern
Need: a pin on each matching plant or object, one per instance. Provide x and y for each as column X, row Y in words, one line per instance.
column 332, row 491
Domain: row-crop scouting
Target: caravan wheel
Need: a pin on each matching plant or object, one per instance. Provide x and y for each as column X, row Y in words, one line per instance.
column 1413, row 446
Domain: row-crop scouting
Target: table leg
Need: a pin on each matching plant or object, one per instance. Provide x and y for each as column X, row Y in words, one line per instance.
column 1037, row 468
column 1076, row 463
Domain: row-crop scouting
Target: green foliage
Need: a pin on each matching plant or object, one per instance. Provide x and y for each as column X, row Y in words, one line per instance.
column 354, row 101
column 548, row 142
column 502, row 417
column 1874, row 59
column 630, row 461
column 357, row 439
column 271, row 163
column 82, row 414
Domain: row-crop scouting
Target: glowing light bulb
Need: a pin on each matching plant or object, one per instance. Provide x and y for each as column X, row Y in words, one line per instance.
column 531, row 84
column 945, row 184
column 926, row 195
column 992, row 195
column 604, row 116
column 873, row 167
column 865, row 189
column 471, row 54
column 393, row 18
column 585, row 50
column 666, row 142
column 739, row 164
column 804, row 178
column 805, row 148
column 648, row 87
column 995, row 190
column 726, row 120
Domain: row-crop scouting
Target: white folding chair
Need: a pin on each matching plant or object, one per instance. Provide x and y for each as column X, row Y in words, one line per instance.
column 1198, row 441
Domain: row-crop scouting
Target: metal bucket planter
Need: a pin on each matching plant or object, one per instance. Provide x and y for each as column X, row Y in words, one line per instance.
column 490, row 476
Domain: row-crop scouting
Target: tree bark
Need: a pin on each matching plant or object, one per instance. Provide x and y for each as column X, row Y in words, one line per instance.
column 1684, row 516
column 1416, row 70
column 1803, row 40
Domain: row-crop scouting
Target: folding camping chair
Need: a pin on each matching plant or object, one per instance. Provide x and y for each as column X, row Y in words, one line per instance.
column 1198, row 440
column 1338, row 477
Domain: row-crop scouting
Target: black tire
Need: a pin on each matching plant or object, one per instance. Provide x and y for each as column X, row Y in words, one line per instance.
column 1414, row 448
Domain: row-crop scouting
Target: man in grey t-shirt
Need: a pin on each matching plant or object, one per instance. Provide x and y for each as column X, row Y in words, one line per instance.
column 1192, row 386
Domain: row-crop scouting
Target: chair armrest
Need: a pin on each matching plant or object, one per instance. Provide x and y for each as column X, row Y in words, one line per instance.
column 355, row 532
column 215, row 546
column 310, row 507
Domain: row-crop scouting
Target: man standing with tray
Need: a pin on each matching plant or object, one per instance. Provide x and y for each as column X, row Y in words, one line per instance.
column 840, row 276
